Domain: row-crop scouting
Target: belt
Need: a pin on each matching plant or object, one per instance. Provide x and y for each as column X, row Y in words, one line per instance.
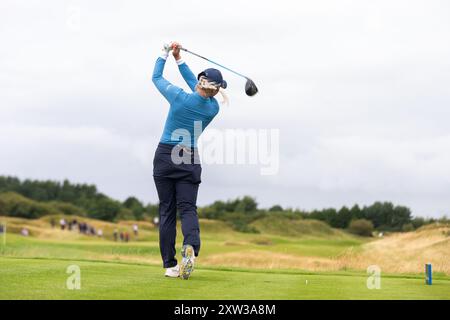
column 186, row 149
column 179, row 147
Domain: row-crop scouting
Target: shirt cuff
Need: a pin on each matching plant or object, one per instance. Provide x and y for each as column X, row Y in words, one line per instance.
column 164, row 55
column 180, row 62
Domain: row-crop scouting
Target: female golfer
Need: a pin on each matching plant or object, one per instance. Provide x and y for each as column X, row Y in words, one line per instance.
column 176, row 166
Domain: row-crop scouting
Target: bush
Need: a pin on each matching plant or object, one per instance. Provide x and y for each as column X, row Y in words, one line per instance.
column 361, row 227
column 15, row 205
column 67, row 208
column 408, row 227
column 276, row 208
column 241, row 221
column 241, row 226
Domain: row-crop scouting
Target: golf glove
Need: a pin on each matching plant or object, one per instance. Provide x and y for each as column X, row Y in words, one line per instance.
column 166, row 49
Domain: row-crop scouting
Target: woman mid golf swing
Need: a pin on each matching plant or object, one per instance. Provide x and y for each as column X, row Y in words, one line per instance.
column 177, row 181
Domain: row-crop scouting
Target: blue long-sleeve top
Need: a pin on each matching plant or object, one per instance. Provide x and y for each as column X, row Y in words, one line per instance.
column 189, row 113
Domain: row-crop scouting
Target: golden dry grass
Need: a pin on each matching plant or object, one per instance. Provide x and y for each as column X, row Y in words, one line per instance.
column 404, row 252
column 40, row 228
column 396, row 253
column 269, row 260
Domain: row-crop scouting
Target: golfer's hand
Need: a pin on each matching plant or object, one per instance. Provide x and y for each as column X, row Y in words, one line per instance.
column 176, row 50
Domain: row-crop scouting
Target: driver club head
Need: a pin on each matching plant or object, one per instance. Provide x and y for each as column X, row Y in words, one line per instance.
column 250, row 88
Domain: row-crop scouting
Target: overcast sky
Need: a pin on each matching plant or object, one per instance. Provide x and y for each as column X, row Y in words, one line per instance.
column 360, row 91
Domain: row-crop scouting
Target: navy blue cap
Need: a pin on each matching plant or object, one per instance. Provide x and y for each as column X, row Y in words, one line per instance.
column 213, row 75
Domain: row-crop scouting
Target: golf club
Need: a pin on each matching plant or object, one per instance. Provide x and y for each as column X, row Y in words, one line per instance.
column 250, row 86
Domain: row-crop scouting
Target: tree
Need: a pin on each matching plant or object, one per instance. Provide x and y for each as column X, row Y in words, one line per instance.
column 66, row 192
column 125, row 214
column 152, row 210
column 356, row 212
column 136, row 207
column 401, row 217
column 3, row 205
column 105, row 209
column 246, row 204
column 343, row 218
column 380, row 214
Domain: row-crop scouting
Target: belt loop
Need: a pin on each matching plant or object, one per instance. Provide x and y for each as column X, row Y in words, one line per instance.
column 186, row 149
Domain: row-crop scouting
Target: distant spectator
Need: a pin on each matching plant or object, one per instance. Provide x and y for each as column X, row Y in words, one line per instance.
column 52, row 223
column 122, row 236
column 156, row 221
column 135, row 230
column 69, row 226
column 100, row 233
column 127, row 237
column 25, row 232
column 62, row 223
column 81, row 227
column 2, row 228
column 115, row 234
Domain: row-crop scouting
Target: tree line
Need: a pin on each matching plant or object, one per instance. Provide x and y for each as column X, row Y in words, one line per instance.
column 383, row 216
column 34, row 199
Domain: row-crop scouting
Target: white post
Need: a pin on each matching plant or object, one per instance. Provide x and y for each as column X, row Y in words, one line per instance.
column 4, row 234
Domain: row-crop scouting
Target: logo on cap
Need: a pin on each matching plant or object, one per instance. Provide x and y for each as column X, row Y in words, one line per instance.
column 213, row 75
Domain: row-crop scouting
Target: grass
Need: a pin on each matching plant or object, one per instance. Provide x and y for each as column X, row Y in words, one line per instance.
column 46, row 279
column 314, row 263
column 221, row 246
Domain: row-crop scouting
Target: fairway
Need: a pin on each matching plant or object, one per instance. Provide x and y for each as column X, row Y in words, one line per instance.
column 46, row 279
column 309, row 262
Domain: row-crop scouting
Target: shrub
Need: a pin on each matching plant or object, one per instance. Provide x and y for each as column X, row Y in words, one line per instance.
column 408, row 227
column 15, row 205
column 361, row 227
column 67, row 208
column 242, row 226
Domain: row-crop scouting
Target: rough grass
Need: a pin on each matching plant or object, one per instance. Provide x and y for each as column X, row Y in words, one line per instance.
column 232, row 265
column 293, row 244
column 404, row 252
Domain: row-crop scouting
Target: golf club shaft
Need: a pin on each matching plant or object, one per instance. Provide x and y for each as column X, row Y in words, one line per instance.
column 218, row 64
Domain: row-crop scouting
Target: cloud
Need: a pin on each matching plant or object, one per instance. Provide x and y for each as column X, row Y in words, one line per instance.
column 358, row 90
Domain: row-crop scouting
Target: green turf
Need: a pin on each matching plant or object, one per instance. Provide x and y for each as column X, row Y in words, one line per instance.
column 35, row 268
column 18, row 246
column 46, row 279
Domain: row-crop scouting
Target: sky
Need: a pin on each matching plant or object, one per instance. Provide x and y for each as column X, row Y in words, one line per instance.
column 359, row 92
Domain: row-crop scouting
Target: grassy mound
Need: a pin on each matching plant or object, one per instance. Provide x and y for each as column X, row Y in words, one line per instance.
column 282, row 243
column 406, row 252
column 284, row 226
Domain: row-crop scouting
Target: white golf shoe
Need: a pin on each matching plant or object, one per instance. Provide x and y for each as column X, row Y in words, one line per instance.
column 173, row 272
column 187, row 264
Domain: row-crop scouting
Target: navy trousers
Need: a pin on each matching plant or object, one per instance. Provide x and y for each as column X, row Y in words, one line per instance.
column 177, row 186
